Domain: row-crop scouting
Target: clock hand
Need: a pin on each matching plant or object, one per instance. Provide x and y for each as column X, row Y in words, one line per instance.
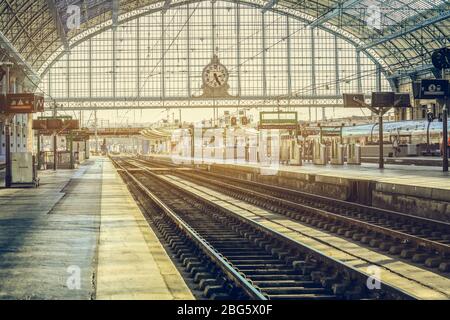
column 217, row 79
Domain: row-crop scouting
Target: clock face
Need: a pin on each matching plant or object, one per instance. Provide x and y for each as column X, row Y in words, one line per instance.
column 215, row 75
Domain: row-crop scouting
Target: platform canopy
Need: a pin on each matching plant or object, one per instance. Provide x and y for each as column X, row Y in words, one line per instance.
column 400, row 33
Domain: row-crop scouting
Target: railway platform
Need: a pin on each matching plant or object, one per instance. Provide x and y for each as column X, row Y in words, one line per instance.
column 419, row 190
column 81, row 235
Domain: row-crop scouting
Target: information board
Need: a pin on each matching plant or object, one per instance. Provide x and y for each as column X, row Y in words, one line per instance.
column 278, row 120
column 434, row 89
column 18, row 103
column 353, row 100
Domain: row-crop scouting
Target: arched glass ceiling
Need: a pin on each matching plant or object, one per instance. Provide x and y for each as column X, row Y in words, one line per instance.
column 160, row 57
column 402, row 37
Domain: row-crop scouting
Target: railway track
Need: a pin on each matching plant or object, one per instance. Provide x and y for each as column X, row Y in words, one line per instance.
column 230, row 257
column 420, row 240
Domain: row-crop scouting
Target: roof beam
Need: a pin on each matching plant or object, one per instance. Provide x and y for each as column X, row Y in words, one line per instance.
column 115, row 13
column 413, row 71
column 18, row 58
column 49, row 107
column 269, row 5
column 58, row 23
column 441, row 17
column 334, row 12
column 166, row 5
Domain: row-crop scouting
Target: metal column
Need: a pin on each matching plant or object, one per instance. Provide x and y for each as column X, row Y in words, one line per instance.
column 96, row 131
column 313, row 68
column 213, row 26
column 264, row 75
column 288, row 47
column 39, row 162
column 337, row 70
column 138, row 59
column 114, row 61
column 55, row 142
column 68, row 74
column 378, row 78
column 8, row 176
column 238, row 47
column 90, row 68
column 358, row 71
column 336, row 61
column 445, row 135
column 72, row 166
column 163, row 64
column 381, row 140
column 188, row 39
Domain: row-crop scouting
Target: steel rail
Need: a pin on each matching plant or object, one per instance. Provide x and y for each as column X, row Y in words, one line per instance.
column 419, row 241
column 355, row 274
column 235, row 276
column 350, row 205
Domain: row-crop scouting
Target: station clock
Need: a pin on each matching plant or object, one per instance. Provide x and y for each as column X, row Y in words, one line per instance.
column 215, row 74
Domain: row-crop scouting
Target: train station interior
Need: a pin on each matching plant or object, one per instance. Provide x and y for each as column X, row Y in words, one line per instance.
column 224, row 150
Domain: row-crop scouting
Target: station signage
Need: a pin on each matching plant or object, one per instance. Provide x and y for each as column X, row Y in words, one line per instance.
column 80, row 135
column 432, row 89
column 17, row 103
column 71, row 124
column 383, row 99
column 402, row 100
column 55, row 124
column 379, row 100
column 353, row 100
column 39, row 124
column 278, row 120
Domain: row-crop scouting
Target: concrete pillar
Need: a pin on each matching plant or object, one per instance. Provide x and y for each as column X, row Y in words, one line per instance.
column 30, row 136
column 2, row 142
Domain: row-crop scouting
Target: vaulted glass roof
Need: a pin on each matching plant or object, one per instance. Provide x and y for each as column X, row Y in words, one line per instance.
column 400, row 34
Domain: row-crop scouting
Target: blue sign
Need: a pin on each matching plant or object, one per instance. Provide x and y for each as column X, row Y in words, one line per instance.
column 434, row 89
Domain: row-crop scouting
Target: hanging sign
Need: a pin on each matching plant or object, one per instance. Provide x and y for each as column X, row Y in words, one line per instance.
column 21, row 103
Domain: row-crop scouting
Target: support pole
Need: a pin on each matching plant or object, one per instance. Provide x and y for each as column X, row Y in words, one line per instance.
column 55, row 141
column 71, row 150
column 380, row 138
column 86, row 151
column 8, row 173
column 8, row 176
column 96, row 132
column 39, row 150
column 55, row 150
column 445, row 136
